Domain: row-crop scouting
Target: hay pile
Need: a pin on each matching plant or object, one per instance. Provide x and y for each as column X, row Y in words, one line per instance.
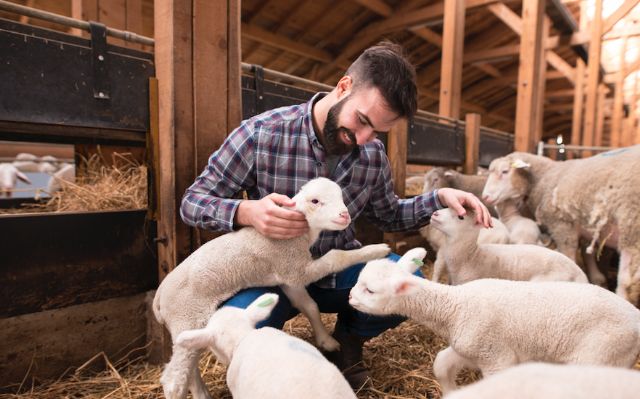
column 100, row 186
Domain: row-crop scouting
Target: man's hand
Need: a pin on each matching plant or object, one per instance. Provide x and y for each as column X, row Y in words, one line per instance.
column 270, row 219
column 458, row 199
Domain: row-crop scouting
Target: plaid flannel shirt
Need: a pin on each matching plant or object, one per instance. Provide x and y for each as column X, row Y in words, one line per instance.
column 278, row 151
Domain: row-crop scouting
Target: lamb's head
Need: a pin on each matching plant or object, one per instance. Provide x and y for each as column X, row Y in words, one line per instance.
column 434, row 179
column 508, row 179
column 321, row 202
column 382, row 281
column 227, row 327
column 9, row 174
column 447, row 221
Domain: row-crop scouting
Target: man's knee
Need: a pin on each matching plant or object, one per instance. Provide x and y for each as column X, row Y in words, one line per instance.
column 280, row 314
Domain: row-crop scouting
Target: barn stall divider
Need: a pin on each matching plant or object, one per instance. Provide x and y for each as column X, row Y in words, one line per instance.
column 74, row 284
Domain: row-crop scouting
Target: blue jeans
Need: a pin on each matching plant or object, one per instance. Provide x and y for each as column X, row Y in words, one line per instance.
column 329, row 300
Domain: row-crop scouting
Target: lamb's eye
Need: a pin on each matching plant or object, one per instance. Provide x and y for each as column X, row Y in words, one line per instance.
column 368, row 291
column 504, row 172
column 314, row 201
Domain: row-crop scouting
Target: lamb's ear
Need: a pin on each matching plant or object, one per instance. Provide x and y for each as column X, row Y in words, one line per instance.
column 404, row 285
column 22, row 177
column 412, row 259
column 195, row 339
column 519, row 164
column 261, row 308
column 448, row 175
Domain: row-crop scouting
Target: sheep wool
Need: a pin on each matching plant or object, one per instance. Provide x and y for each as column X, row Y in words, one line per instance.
column 595, row 197
column 495, row 324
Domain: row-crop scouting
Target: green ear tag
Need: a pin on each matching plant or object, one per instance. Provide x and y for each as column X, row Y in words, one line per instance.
column 418, row 262
column 266, row 303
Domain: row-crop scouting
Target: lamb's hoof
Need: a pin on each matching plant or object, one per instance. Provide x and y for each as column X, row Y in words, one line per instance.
column 328, row 344
column 172, row 391
column 376, row 251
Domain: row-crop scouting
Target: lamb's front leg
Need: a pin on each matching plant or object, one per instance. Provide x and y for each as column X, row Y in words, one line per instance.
column 337, row 260
column 300, row 298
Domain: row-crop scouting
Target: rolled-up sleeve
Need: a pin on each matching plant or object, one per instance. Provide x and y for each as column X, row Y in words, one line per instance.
column 391, row 213
column 208, row 203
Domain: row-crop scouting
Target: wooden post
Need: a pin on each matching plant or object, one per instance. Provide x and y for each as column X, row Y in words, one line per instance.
column 618, row 100
column 472, row 143
column 542, row 72
column 452, row 54
column 531, row 45
column 198, row 71
column 397, row 150
column 631, row 120
column 593, row 75
column 600, row 115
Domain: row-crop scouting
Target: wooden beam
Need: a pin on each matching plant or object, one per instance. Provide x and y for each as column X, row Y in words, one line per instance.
column 618, row 14
column 492, row 54
column 472, row 143
column 560, row 93
column 618, row 99
column 397, row 150
column 511, row 19
column 597, row 140
column 542, row 72
column 630, row 128
column 452, row 49
column 258, row 34
column 531, row 50
column 593, row 74
column 377, row 6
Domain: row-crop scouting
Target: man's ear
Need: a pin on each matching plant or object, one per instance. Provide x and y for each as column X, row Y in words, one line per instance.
column 344, row 86
column 404, row 285
column 412, row 259
column 195, row 339
column 261, row 308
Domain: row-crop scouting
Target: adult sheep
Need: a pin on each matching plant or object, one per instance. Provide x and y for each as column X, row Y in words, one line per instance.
column 596, row 198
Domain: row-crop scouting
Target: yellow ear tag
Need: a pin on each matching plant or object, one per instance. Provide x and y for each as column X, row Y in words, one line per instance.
column 266, row 303
column 418, row 262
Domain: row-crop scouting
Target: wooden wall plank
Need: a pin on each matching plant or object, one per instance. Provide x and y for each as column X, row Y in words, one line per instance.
column 452, row 50
column 472, row 143
column 597, row 139
column 618, row 100
column 529, row 74
column 593, row 75
column 46, row 344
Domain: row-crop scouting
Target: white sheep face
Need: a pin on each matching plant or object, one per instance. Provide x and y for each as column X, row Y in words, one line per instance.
column 434, row 179
column 447, row 221
column 321, row 202
column 382, row 281
column 9, row 175
column 506, row 180
column 227, row 327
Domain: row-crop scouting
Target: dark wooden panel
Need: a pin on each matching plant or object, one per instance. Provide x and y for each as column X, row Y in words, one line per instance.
column 46, row 344
column 51, row 261
column 433, row 143
column 492, row 147
column 47, row 78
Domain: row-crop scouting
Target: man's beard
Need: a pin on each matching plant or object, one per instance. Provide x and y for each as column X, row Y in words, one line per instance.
column 331, row 132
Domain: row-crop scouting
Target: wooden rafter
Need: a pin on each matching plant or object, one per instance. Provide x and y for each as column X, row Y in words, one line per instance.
column 618, row 14
column 452, row 49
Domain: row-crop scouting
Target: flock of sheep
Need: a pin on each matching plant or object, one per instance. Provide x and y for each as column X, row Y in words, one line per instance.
column 513, row 309
column 10, row 173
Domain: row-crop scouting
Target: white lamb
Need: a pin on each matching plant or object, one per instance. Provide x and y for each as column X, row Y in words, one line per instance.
column 192, row 292
column 467, row 260
column 9, row 175
column 552, row 381
column 493, row 324
column 67, row 173
column 266, row 363
column 26, row 162
column 596, row 198
column 522, row 230
column 496, row 235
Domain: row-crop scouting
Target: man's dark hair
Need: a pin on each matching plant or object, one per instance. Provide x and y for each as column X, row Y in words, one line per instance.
column 385, row 67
